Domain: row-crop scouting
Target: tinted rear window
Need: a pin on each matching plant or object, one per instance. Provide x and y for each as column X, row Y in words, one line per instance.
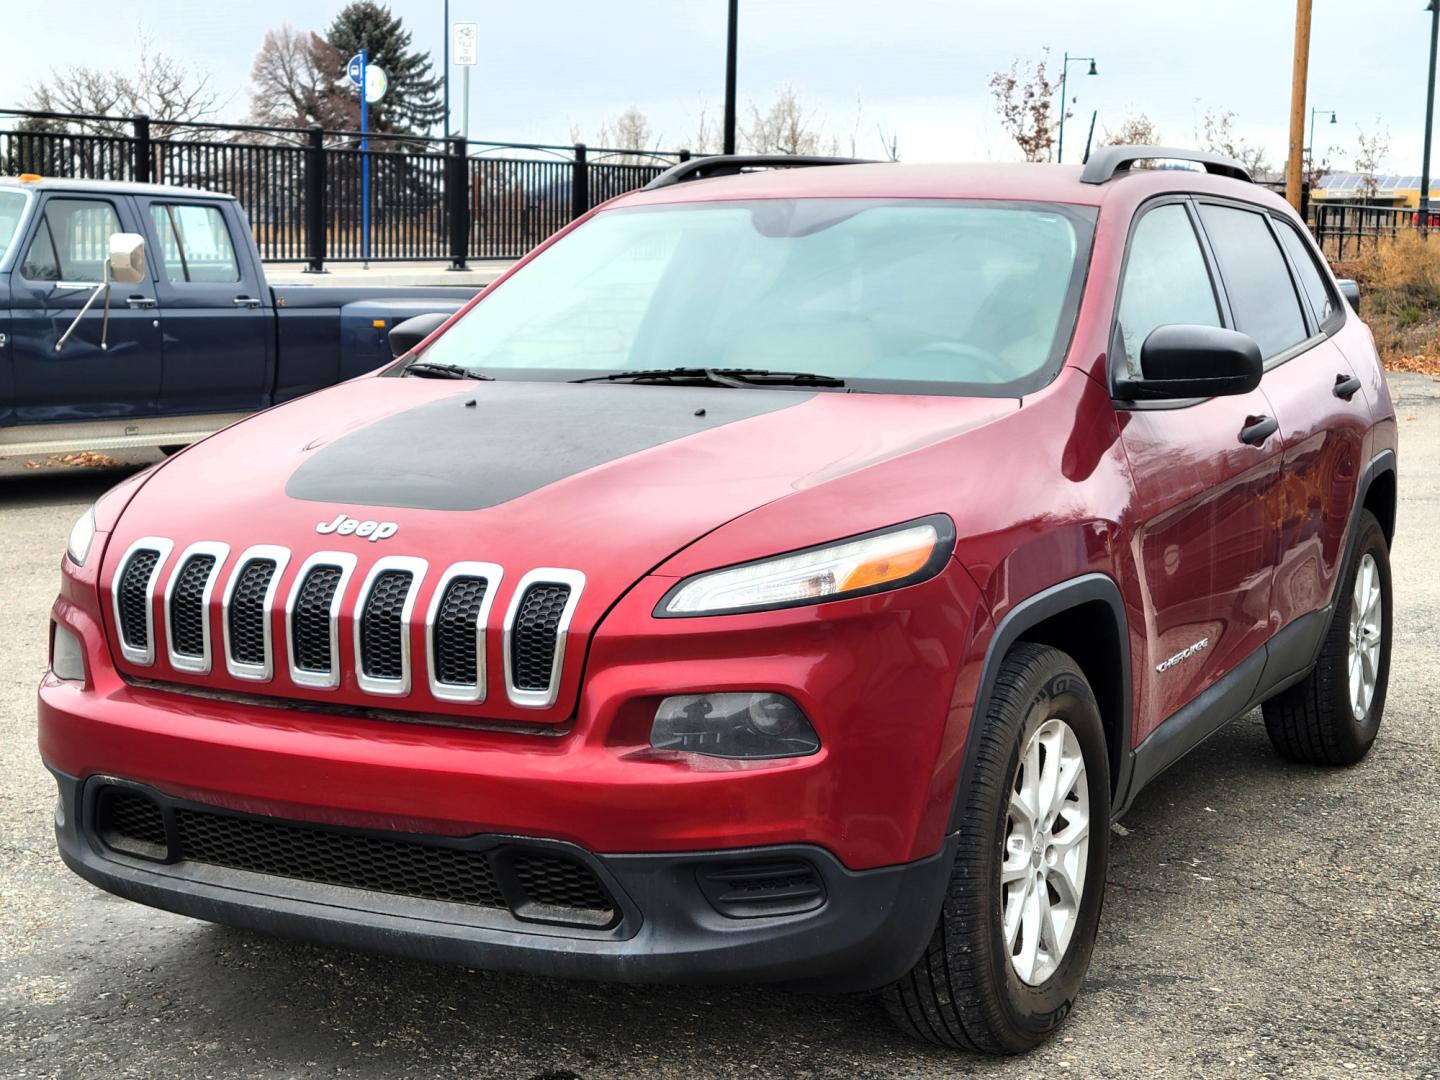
column 1257, row 281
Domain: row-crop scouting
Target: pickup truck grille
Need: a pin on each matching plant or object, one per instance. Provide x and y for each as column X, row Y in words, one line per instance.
column 319, row 599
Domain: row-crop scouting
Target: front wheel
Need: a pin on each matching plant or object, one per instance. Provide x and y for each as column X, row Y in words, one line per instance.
column 1018, row 925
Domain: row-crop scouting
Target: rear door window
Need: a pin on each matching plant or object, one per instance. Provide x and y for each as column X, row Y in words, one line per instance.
column 1166, row 280
column 1257, row 281
column 71, row 241
column 195, row 243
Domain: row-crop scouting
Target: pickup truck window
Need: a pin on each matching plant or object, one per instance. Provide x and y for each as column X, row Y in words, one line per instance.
column 12, row 209
column 71, row 242
column 194, row 243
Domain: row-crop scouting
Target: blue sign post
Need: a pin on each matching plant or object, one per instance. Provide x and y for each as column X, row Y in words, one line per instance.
column 358, row 70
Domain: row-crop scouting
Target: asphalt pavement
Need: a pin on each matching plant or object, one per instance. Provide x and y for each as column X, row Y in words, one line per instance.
column 1261, row 919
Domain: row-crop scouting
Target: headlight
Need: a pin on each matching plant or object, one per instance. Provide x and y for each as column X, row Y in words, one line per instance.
column 872, row 562
column 81, row 536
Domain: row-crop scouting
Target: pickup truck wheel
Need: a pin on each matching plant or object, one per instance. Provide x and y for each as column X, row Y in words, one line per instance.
column 1018, row 924
column 1332, row 716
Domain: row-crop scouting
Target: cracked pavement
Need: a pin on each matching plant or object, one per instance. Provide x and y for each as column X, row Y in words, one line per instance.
column 1261, row 919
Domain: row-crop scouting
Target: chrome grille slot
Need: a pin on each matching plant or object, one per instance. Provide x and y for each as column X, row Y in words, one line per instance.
column 382, row 625
column 312, row 618
column 455, row 630
column 246, row 616
column 132, row 596
column 187, row 606
column 536, row 628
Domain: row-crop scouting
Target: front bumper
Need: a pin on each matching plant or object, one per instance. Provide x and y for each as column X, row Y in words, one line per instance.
column 869, row 928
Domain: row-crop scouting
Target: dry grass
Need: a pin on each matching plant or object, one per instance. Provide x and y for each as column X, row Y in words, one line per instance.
column 1400, row 299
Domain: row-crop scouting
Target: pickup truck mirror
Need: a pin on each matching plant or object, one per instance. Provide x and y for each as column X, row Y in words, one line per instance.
column 127, row 258
column 1350, row 290
column 406, row 335
column 1182, row 361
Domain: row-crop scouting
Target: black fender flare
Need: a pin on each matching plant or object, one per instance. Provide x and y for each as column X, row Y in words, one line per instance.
column 1027, row 614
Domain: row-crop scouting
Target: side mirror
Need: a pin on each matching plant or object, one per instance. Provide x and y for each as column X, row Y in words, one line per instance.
column 1350, row 290
column 127, row 258
column 406, row 335
column 1183, row 361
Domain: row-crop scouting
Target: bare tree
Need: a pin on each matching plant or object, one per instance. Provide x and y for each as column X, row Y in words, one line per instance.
column 296, row 81
column 161, row 87
column 1025, row 102
column 1370, row 154
column 1135, row 129
column 1217, row 134
column 629, row 132
column 786, row 128
column 708, row 138
column 889, row 142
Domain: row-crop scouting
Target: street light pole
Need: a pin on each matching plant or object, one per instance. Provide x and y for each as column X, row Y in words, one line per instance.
column 1424, row 214
column 446, row 76
column 1310, row 146
column 1064, row 99
column 729, row 133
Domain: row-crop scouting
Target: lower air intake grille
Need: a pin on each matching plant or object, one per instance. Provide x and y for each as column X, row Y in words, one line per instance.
column 247, row 611
column 310, row 621
column 134, row 606
column 381, row 630
column 456, row 631
column 537, row 621
column 531, row 884
column 187, row 607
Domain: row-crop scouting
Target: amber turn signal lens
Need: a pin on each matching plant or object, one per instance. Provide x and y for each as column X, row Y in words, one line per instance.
column 889, row 567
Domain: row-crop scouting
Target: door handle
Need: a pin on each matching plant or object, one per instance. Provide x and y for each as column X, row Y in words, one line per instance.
column 246, row 301
column 141, row 302
column 1257, row 429
column 1345, row 386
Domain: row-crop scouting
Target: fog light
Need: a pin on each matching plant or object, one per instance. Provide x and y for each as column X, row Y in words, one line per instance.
column 67, row 654
column 733, row 726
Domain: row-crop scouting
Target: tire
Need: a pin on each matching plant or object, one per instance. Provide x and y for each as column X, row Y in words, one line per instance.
column 966, row 991
column 1315, row 720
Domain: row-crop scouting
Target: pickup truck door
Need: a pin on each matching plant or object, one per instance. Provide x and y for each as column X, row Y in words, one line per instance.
column 215, row 309
column 61, row 256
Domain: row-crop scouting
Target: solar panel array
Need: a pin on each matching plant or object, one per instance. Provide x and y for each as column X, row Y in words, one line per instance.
column 1349, row 181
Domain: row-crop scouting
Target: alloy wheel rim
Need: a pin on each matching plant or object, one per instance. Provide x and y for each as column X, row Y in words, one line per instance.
column 1047, row 844
column 1367, row 608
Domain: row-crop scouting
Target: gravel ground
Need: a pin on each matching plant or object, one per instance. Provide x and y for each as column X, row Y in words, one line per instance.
column 1262, row 919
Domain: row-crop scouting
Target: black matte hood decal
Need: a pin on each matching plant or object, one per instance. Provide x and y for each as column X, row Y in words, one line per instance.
column 498, row 441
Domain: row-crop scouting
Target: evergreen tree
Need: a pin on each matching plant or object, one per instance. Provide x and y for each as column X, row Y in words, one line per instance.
column 412, row 103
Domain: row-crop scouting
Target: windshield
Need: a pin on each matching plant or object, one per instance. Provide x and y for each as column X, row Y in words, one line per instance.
column 885, row 294
column 12, row 209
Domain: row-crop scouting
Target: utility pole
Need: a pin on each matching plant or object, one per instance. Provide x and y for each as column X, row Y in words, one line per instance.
column 1424, row 215
column 445, row 76
column 729, row 133
column 1298, row 80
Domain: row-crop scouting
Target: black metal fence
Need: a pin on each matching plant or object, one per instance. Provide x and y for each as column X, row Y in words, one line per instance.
column 303, row 191
column 1345, row 228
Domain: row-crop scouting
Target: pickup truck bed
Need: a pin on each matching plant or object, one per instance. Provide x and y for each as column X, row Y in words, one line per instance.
column 201, row 341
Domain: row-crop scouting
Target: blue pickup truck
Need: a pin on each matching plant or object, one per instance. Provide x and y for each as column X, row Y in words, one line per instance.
column 186, row 339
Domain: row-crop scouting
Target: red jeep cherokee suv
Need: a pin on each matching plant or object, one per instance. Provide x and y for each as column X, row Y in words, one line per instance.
column 780, row 575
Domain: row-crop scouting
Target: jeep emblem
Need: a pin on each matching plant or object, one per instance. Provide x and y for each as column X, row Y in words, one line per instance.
column 347, row 526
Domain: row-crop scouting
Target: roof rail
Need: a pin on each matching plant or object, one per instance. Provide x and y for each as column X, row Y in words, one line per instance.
column 1104, row 163
column 702, row 168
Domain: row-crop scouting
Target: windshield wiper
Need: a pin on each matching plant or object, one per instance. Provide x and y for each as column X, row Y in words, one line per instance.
column 428, row 370
column 740, row 378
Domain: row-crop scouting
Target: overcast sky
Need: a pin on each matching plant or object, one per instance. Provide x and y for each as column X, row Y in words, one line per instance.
column 919, row 68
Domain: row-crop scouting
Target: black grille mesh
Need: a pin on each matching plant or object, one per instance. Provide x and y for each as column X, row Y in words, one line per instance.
column 133, row 817
column 134, row 607
column 187, row 607
column 381, row 631
column 247, row 611
column 532, row 648
column 566, row 890
column 310, row 622
column 552, row 882
column 456, row 629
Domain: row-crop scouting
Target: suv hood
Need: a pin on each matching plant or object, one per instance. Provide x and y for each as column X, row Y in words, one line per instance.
column 609, row 480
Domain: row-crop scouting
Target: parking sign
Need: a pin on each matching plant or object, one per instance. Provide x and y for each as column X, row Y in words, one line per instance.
column 353, row 69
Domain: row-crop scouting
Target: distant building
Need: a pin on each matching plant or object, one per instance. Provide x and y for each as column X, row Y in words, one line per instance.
column 1391, row 189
